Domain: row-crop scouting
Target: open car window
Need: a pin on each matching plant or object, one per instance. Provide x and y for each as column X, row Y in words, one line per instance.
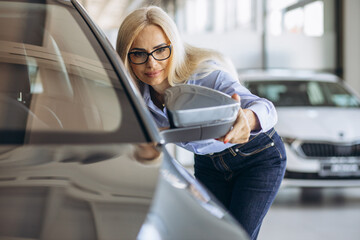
column 56, row 79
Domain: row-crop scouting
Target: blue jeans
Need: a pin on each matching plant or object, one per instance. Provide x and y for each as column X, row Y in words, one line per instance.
column 246, row 177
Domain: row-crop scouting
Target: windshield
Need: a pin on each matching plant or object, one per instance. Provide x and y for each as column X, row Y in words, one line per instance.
column 304, row 93
column 55, row 76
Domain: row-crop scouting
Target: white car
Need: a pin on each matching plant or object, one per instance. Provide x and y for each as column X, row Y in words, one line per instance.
column 319, row 122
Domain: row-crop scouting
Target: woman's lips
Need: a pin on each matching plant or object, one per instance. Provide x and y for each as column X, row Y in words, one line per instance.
column 153, row 74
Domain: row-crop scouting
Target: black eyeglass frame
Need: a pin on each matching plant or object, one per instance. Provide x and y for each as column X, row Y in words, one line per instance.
column 151, row 53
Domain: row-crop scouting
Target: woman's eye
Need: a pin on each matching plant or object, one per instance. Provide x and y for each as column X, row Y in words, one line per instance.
column 139, row 54
column 160, row 50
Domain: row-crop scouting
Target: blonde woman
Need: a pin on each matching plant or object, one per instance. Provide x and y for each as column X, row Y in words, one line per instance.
column 244, row 168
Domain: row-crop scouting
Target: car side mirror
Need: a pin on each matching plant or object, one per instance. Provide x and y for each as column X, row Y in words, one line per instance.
column 198, row 113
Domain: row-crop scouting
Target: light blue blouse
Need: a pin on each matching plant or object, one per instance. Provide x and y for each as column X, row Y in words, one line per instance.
column 224, row 82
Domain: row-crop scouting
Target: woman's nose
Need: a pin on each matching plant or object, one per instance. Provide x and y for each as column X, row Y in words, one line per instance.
column 151, row 61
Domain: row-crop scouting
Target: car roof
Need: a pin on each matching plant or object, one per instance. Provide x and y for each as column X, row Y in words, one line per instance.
column 286, row 75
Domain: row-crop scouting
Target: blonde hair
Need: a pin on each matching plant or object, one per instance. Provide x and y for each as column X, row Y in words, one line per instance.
column 185, row 59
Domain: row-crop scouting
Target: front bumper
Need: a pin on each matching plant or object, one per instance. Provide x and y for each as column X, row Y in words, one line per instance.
column 322, row 183
column 316, row 179
column 305, row 171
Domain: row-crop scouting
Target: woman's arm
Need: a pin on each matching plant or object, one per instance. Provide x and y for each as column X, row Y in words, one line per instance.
column 245, row 123
column 256, row 114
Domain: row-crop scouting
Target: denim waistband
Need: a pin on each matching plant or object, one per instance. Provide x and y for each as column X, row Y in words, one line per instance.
column 233, row 149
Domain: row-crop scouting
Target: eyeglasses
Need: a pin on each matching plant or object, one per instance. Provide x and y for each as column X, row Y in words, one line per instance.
column 159, row 54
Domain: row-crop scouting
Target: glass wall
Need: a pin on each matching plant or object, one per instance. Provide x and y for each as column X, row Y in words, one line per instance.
column 233, row 27
column 216, row 15
column 300, row 17
column 301, row 34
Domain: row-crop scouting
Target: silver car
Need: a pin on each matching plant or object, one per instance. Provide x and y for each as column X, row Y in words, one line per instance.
column 318, row 120
column 80, row 155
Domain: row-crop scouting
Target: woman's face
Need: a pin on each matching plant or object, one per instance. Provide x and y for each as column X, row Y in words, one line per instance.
column 152, row 72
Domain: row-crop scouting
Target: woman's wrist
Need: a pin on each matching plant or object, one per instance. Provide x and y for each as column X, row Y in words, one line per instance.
column 252, row 119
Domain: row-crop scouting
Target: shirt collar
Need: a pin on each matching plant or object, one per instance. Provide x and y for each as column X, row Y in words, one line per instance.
column 151, row 105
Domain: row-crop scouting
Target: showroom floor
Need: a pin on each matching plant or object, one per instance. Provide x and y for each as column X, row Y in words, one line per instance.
column 327, row 214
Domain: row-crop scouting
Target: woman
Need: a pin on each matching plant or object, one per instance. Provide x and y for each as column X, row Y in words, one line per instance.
column 244, row 168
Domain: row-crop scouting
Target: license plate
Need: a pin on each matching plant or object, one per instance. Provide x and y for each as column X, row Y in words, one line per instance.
column 334, row 169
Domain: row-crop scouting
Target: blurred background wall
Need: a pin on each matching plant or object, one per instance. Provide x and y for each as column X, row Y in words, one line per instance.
column 320, row 35
column 351, row 43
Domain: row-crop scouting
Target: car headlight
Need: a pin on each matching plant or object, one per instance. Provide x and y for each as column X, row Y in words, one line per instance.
column 288, row 140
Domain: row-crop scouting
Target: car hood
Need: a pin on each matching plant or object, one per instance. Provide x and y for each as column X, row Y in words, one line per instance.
column 322, row 124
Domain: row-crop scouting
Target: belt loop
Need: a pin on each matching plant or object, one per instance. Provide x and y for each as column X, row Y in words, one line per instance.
column 272, row 132
column 232, row 151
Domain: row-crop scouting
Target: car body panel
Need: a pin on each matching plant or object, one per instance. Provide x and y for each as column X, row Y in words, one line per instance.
column 77, row 192
column 323, row 124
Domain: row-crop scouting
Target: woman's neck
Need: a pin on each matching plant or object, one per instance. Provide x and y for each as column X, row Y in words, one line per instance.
column 160, row 89
column 157, row 98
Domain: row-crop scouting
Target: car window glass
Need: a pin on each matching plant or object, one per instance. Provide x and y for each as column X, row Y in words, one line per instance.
column 55, row 75
column 315, row 94
column 304, row 93
column 339, row 96
column 272, row 92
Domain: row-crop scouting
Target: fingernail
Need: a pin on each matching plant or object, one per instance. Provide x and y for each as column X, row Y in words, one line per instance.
column 226, row 141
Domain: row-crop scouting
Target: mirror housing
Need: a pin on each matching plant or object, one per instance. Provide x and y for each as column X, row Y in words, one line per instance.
column 198, row 113
column 195, row 133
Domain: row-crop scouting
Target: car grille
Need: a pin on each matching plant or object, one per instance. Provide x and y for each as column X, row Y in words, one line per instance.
column 330, row 150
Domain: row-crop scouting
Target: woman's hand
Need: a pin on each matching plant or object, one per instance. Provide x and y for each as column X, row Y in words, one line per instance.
column 245, row 122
